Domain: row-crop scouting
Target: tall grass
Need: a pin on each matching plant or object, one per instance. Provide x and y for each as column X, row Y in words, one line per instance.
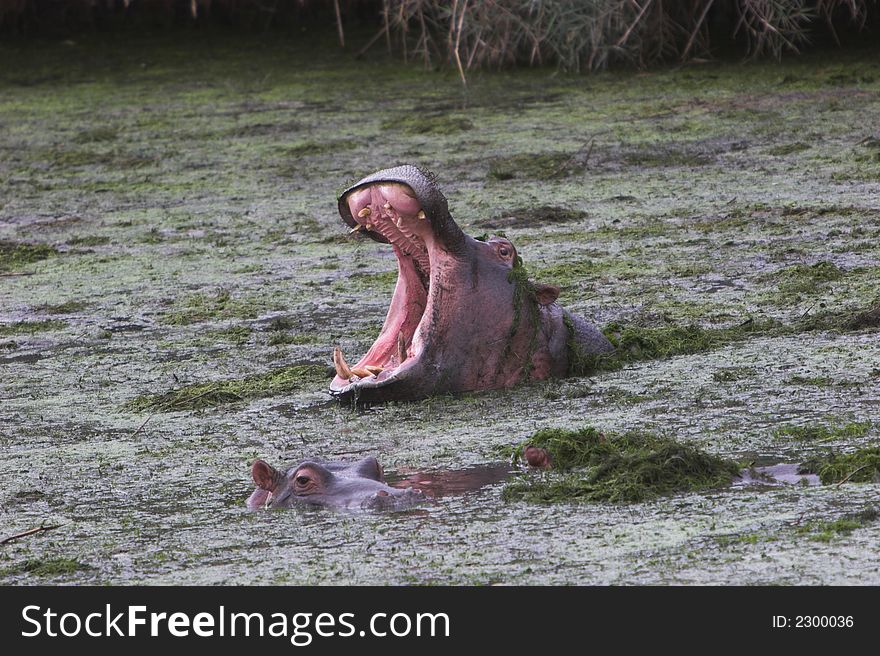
column 576, row 35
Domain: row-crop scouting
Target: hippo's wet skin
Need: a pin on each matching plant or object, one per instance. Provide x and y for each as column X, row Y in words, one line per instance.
column 463, row 316
column 358, row 485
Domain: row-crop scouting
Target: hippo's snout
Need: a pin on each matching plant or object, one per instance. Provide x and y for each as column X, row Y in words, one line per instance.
column 393, row 500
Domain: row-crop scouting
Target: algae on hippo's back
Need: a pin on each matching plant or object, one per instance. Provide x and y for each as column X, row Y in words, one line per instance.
column 590, row 465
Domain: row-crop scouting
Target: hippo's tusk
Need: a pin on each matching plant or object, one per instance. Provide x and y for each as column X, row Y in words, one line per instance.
column 366, row 211
column 342, row 368
column 361, row 372
column 373, row 369
column 357, row 228
column 421, row 215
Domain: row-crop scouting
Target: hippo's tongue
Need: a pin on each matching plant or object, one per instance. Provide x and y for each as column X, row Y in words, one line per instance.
column 392, row 210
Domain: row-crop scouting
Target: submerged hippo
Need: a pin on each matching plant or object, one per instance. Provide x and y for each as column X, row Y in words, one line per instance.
column 464, row 316
column 359, row 485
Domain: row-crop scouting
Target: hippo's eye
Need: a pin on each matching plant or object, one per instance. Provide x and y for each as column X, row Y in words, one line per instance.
column 503, row 251
column 303, row 480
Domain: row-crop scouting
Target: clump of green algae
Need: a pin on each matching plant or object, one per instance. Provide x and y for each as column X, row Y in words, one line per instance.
column 281, row 380
column 589, row 465
column 46, row 567
column 14, row 255
column 827, row 531
column 633, row 343
column 862, row 466
column 538, row 166
column 824, row 432
column 30, row 327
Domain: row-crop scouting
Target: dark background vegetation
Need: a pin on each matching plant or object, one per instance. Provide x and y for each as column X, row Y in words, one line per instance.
column 577, row 35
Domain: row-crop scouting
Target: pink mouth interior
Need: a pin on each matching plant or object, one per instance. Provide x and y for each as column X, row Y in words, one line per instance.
column 393, row 211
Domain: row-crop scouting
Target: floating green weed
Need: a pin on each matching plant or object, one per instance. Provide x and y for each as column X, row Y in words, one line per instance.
column 282, row 380
column 634, row 343
column 824, row 432
column 47, row 567
column 827, row 531
column 807, row 279
column 589, row 465
column 14, row 255
column 538, row 166
column 417, row 123
column 529, row 217
column 220, row 305
column 862, row 466
column 30, row 327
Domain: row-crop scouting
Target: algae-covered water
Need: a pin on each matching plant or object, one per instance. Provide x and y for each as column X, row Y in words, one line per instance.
column 168, row 222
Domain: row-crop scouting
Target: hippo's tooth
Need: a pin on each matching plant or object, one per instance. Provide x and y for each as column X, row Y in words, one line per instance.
column 342, row 368
column 268, row 500
column 366, row 211
column 421, row 215
column 356, row 229
column 369, row 226
column 373, row 369
column 387, row 205
column 401, row 349
column 361, row 372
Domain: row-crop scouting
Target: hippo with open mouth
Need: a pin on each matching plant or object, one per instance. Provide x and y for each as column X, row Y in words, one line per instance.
column 360, row 485
column 464, row 315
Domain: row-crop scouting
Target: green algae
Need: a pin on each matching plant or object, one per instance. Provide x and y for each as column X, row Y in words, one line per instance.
column 823, row 531
column 66, row 307
column 804, row 279
column 650, row 156
column 824, row 432
column 730, row 374
column 861, row 466
column 15, row 255
column 31, row 327
column 524, row 301
column 634, row 343
column 416, row 123
column 197, row 308
column 788, row 149
column 45, row 567
column 88, row 240
column 279, row 337
column 841, row 320
column 530, row 217
column 283, row 380
column 534, row 166
column 593, row 466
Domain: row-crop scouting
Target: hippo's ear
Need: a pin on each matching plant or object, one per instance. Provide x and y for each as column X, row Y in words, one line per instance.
column 369, row 467
column 546, row 294
column 265, row 475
